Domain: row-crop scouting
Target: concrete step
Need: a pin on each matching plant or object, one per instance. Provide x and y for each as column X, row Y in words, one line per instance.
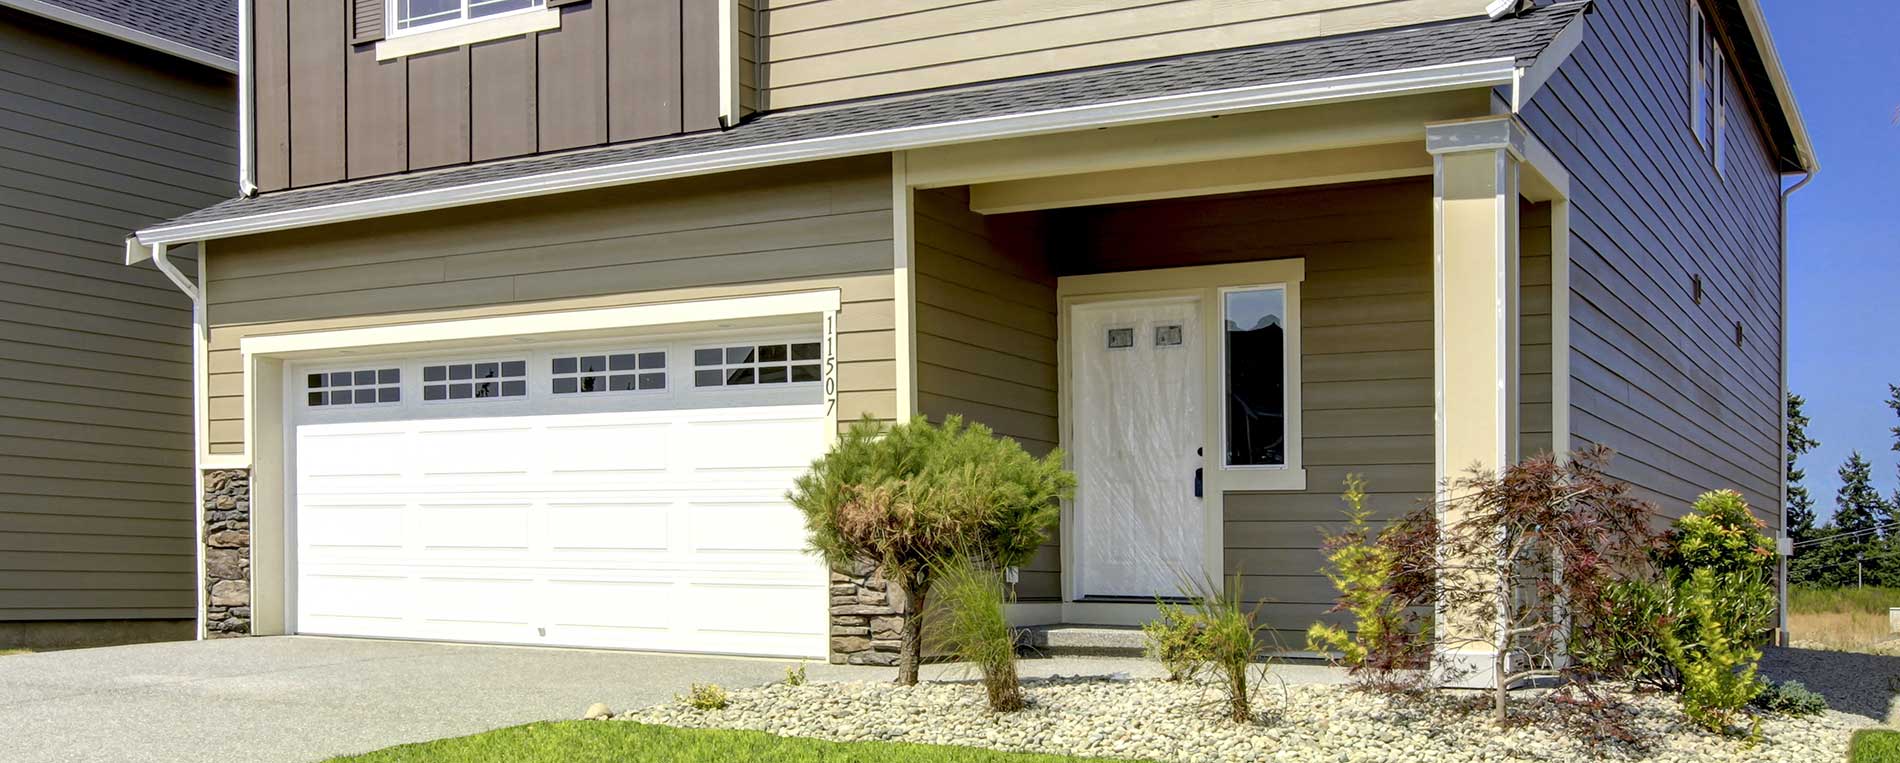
column 1082, row 640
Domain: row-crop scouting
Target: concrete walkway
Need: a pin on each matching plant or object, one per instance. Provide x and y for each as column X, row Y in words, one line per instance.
column 305, row 699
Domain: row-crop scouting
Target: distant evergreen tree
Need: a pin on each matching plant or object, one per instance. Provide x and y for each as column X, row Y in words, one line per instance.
column 1858, row 512
column 1803, row 567
column 1893, row 402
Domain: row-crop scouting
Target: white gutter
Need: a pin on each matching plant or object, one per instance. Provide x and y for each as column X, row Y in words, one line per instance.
column 1785, row 545
column 122, row 32
column 1472, row 74
column 1771, row 60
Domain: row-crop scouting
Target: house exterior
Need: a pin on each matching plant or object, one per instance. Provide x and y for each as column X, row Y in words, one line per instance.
column 113, row 116
column 536, row 311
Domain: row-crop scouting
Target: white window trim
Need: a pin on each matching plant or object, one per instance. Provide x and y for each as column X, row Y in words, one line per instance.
column 454, row 34
column 1708, row 74
column 1240, row 473
column 302, row 396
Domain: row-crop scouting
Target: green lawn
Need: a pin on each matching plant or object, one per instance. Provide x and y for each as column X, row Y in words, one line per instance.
column 4, row 651
column 601, row 741
column 1874, row 746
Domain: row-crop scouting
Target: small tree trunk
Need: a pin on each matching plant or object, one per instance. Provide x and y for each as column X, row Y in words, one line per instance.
column 911, row 648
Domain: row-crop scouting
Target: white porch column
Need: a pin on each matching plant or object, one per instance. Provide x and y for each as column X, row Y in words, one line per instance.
column 1475, row 270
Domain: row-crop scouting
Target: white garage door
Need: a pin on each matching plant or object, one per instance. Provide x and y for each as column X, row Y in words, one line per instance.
column 626, row 495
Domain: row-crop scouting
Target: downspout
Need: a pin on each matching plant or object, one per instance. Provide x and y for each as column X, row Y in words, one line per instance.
column 246, row 186
column 161, row 258
column 1785, row 546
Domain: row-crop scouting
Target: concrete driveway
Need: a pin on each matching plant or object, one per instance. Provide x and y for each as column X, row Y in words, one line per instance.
column 300, row 698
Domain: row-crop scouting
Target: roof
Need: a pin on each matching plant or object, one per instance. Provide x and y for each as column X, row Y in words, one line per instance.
column 1759, row 65
column 1421, row 58
column 205, row 31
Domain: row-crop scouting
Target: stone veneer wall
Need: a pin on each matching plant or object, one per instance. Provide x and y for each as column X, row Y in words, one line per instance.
column 867, row 616
column 227, row 502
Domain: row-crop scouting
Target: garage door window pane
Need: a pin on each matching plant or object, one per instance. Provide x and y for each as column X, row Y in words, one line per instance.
column 368, row 386
column 759, row 364
column 475, row 380
column 610, row 372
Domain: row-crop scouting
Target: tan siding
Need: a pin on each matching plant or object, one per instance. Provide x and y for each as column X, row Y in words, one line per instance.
column 96, row 500
column 1655, row 375
column 830, row 50
column 1366, row 353
column 786, row 229
column 986, row 336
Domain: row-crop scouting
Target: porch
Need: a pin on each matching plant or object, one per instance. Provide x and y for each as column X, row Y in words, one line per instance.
column 1219, row 321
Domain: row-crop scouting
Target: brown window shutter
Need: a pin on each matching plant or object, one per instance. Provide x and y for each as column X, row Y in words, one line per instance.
column 366, row 20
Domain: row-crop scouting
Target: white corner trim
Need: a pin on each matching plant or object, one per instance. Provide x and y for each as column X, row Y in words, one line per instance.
column 1471, row 74
column 728, row 63
column 1530, row 79
column 510, row 25
column 125, row 33
column 631, row 316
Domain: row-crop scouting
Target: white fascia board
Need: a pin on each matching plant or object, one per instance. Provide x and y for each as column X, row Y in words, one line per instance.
column 1771, row 60
column 1533, row 77
column 1472, row 74
column 126, row 33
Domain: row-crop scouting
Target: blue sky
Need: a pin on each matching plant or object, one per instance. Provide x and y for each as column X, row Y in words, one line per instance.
column 1844, row 291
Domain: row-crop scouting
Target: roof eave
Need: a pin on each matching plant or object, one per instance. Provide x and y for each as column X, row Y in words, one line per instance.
column 1483, row 73
column 125, row 33
column 1764, row 42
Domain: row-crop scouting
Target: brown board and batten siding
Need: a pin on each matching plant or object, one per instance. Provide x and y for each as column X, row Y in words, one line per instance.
column 616, row 70
column 986, row 336
column 819, row 51
column 1656, row 375
column 1366, row 362
column 810, row 226
column 98, row 138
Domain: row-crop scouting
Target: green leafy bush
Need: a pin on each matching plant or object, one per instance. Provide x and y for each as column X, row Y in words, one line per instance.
column 795, row 676
column 706, row 697
column 1177, row 640
column 915, row 495
column 969, row 596
column 1718, row 670
column 1789, row 698
column 1386, row 642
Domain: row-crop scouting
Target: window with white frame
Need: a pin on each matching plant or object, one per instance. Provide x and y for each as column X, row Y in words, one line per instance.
column 1708, row 116
column 369, row 386
column 741, row 365
column 474, row 380
column 409, row 15
column 1254, row 376
column 587, row 373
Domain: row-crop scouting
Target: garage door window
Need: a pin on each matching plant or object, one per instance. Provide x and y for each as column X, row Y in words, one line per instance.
column 631, row 371
column 475, row 380
column 756, row 364
column 369, row 386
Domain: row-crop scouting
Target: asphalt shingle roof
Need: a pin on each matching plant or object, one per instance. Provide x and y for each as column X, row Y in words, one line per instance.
column 1522, row 38
column 208, row 25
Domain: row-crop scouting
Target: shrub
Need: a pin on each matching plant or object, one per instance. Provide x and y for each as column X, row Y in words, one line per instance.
column 1230, row 641
column 1626, row 645
column 1789, row 698
column 706, row 697
column 1386, row 642
column 795, row 676
column 1874, row 746
column 1177, row 640
column 913, row 496
column 970, row 624
column 1718, row 673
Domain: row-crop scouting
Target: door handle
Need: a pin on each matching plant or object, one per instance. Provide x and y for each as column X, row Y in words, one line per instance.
column 1197, row 476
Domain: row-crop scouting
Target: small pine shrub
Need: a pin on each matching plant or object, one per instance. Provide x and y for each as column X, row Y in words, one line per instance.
column 706, row 697
column 795, row 676
column 1718, row 677
column 1385, row 642
column 1789, row 698
column 1176, row 639
column 969, row 596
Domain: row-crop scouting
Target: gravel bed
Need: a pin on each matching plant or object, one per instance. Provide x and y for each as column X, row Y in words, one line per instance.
column 1162, row 721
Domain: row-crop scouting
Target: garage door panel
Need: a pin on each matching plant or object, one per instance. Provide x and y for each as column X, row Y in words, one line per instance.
column 481, row 600
column 460, row 452
column 613, row 606
column 346, row 603
column 609, row 527
column 341, row 528
column 463, row 527
column 766, row 449
column 609, row 450
column 759, row 611
column 756, row 527
column 338, row 458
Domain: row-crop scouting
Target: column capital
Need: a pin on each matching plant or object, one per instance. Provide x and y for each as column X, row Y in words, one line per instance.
column 1479, row 134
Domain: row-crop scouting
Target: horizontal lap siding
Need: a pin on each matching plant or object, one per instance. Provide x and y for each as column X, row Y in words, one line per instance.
column 786, row 229
column 1655, row 375
column 986, row 336
column 1366, row 362
column 829, row 50
column 97, row 138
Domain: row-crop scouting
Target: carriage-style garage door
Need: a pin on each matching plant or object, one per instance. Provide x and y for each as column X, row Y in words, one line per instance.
column 627, row 495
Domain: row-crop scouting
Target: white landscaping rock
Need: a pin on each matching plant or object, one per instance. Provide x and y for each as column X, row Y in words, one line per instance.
column 1186, row 723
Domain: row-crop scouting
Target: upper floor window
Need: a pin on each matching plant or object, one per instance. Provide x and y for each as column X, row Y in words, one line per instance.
column 418, row 14
column 1707, row 112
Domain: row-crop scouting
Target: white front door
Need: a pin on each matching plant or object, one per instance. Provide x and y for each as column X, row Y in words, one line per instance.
column 1137, row 378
